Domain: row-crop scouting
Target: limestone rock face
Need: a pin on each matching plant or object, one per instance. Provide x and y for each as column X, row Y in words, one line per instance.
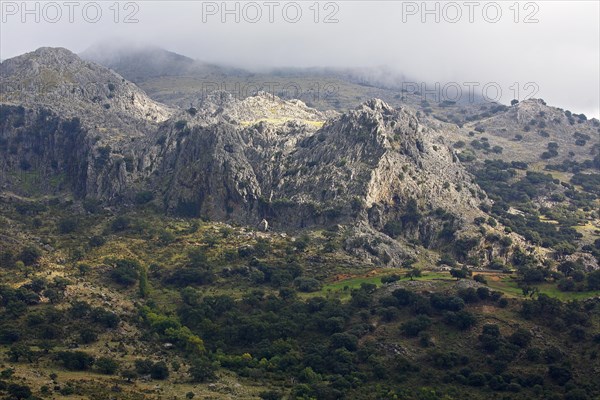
column 61, row 81
column 266, row 158
column 59, row 112
column 247, row 161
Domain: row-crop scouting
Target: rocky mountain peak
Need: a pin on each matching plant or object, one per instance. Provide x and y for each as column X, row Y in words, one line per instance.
column 377, row 105
column 59, row 80
column 244, row 160
column 263, row 107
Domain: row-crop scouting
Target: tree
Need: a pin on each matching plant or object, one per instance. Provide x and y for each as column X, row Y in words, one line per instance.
column 143, row 367
column 567, row 267
column 413, row 327
column 409, row 262
column 270, row 395
column 126, row 272
column 462, row 319
column 53, row 295
column 564, row 249
column 577, row 333
column 106, row 365
column 307, row 285
column 393, row 228
column 144, row 197
column 521, row 337
column 37, row 285
column 30, row 255
column 459, row 273
column 490, row 338
column 88, row 335
column 143, row 282
column 202, row 370
column 413, row 273
column 7, row 259
column 390, row 278
column 447, row 259
column 120, row 224
column 67, row 225
column 18, row 392
column 96, row 241
column 593, row 280
column 159, row 371
column 530, row 291
column 483, row 293
column 346, row 340
column 578, row 276
column 83, row 269
column 532, row 275
column 19, row 352
column 389, row 313
column 75, row 360
column 561, row 374
column 129, row 375
column 412, row 215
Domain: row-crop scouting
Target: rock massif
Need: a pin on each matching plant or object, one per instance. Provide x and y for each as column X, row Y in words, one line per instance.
column 78, row 126
column 264, row 157
column 72, row 123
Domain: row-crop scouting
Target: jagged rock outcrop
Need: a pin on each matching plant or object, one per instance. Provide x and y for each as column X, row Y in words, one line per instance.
column 59, row 110
column 264, row 157
column 60, row 80
column 42, row 152
column 228, row 159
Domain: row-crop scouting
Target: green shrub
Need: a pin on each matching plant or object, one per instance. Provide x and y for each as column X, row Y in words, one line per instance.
column 106, row 365
column 125, row 272
column 67, row 225
column 307, row 285
column 30, row 255
column 413, row 327
column 75, row 360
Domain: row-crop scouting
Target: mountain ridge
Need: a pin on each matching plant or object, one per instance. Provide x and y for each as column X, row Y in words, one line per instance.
column 252, row 159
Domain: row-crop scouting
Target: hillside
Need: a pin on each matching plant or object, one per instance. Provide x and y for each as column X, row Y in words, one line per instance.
column 181, row 81
column 264, row 247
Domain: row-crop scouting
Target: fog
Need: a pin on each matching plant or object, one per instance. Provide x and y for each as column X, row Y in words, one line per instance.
column 548, row 49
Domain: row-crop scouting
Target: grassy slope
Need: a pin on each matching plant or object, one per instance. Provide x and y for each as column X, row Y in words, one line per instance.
column 340, row 272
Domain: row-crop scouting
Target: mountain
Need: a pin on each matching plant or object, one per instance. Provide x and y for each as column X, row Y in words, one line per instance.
column 61, row 117
column 234, row 160
column 180, row 81
column 257, row 246
column 291, row 156
column 532, row 124
column 263, row 157
column 138, row 63
column 61, row 81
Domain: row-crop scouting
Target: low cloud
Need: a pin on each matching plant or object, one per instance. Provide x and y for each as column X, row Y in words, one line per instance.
column 553, row 44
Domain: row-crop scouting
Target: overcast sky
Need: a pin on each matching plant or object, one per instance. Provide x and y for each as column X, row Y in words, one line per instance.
column 553, row 44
